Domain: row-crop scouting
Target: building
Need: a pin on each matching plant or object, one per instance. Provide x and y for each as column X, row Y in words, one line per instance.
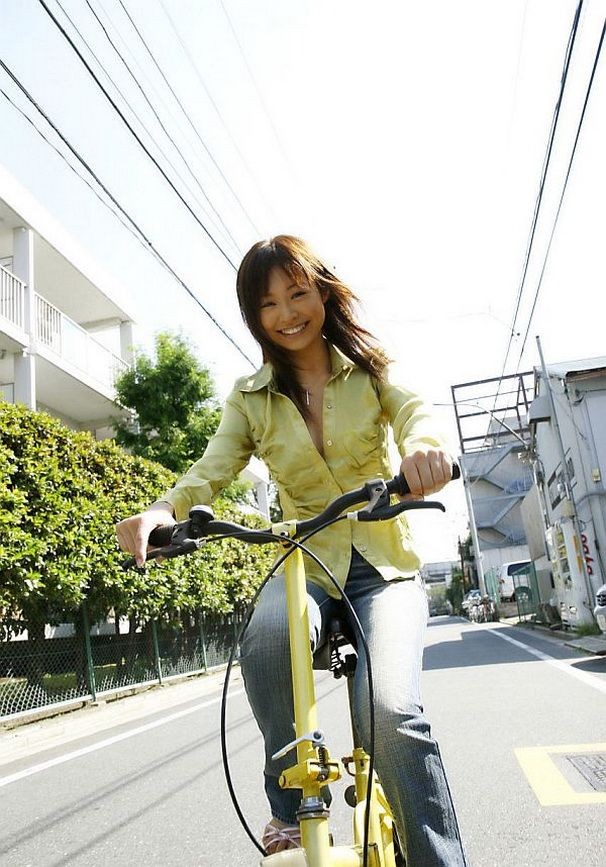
column 65, row 326
column 491, row 417
column 565, row 514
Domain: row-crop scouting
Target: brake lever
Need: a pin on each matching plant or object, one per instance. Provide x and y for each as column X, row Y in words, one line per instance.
column 385, row 513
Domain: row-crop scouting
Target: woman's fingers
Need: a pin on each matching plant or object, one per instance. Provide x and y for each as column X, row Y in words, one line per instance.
column 133, row 533
column 426, row 471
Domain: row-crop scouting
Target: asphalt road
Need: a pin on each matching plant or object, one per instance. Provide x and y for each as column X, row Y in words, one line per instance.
column 142, row 780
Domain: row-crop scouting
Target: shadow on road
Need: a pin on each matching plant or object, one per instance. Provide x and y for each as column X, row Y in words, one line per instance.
column 478, row 645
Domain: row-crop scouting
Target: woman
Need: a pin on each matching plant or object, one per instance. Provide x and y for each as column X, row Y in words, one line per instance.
column 317, row 413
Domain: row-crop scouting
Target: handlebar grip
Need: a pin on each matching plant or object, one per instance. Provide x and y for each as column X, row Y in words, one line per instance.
column 161, row 536
column 399, row 485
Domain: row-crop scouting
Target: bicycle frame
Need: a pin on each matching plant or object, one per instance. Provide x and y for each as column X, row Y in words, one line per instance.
column 314, row 767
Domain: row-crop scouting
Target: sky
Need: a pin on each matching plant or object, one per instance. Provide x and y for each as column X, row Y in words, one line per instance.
column 404, row 141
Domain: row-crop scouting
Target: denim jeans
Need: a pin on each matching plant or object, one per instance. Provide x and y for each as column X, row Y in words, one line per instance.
column 393, row 615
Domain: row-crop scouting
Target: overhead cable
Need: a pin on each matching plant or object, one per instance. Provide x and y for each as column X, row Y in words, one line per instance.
column 145, row 240
column 210, row 98
column 572, row 155
column 159, row 119
column 187, row 117
column 546, row 164
column 257, row 89
column 134, row 134
column 149, row 133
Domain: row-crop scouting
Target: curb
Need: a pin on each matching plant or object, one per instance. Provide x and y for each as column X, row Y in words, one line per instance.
column 592, row 644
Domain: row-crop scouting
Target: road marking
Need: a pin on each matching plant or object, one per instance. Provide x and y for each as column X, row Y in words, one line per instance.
column 587, row 679
column 107, row 742
column 547, row 781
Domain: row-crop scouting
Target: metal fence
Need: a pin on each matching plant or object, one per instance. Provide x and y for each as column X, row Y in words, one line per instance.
column 43, row 672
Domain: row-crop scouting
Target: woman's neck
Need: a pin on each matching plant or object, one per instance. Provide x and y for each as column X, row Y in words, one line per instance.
column 314, row 364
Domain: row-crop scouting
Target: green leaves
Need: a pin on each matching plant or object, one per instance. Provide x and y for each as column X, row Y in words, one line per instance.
column 173, row 399
column 61, row 492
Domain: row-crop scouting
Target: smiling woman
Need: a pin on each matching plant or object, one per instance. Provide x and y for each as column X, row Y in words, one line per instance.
column 318, row 413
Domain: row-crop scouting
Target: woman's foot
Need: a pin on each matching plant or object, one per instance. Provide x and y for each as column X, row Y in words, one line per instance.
column 279, row 836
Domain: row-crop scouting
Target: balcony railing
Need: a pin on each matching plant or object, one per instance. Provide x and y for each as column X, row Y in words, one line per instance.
column 12, row 297
column 73, row 344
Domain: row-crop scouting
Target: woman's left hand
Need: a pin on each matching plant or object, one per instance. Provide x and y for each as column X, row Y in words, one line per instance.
column 426, row 472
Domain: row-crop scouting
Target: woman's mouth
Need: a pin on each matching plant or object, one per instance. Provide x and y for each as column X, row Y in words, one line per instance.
column 296, row 329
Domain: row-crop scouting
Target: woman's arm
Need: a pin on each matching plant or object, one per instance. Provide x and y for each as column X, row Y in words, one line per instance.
column 227, row 453
column 426, row 464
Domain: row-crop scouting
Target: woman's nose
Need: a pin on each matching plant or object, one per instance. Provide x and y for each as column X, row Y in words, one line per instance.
column 287, row 311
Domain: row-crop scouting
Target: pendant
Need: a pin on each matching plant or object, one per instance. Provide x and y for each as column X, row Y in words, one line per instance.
column 307, row 397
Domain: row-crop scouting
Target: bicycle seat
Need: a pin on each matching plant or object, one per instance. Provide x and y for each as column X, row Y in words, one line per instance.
column 328, row 655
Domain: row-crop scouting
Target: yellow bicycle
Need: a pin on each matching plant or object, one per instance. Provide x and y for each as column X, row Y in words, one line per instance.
column 375, row 842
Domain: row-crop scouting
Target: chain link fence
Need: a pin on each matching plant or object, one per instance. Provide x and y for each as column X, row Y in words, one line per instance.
column 37, row 672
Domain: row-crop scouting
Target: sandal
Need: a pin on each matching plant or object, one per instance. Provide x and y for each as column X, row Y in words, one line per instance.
column 277, row 839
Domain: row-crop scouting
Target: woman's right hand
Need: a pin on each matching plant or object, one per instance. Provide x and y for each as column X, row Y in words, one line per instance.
column 133, row 533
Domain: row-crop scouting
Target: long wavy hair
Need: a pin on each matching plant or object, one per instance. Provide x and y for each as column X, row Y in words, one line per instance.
column 341, row 327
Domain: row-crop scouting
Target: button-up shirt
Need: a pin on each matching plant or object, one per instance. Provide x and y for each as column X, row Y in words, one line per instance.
column 357, row 412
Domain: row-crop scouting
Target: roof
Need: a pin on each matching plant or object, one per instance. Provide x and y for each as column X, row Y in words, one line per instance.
column 562, row 369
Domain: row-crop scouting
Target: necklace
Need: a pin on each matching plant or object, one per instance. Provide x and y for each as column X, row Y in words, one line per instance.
column 307, row 395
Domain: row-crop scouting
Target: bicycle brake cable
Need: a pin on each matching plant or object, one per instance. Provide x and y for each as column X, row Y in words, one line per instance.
column 358, row 628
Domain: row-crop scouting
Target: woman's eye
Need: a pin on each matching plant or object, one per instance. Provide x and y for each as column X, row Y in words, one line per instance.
column 266, row 304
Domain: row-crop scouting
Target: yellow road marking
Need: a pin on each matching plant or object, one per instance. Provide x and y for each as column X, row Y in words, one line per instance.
column 547, row 781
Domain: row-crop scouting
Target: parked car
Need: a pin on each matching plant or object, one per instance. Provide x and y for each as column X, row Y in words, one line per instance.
column 505, row 575
column 471, row 596
column 600, row 608
column 438, row 607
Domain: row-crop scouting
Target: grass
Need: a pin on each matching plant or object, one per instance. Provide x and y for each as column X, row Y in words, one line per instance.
column 587, row 629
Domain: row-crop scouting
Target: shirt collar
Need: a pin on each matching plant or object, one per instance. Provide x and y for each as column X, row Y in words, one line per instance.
column 263, row 377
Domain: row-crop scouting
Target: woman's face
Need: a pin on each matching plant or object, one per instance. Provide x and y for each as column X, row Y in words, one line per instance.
column 292, row 312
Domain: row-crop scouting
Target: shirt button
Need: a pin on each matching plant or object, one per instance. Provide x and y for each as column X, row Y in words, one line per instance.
column 328, row 442
column 363, row 549
column 329, row 406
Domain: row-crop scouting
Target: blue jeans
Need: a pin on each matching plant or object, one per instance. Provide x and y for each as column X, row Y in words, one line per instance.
column 393, row 615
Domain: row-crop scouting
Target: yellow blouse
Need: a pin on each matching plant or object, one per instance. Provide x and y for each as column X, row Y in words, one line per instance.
column 357, row 411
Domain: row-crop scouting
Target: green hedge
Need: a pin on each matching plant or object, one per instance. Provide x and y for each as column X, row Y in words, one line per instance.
column 61, row 493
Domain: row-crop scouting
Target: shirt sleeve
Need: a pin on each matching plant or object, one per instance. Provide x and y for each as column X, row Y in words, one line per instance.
column 410, row 417
column 226, row 454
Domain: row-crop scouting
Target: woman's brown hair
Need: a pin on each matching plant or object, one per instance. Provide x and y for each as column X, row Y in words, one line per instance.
column 341, row 327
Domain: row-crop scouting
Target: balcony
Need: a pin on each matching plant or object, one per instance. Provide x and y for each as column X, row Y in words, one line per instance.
column 74, row 346
column 12, row 300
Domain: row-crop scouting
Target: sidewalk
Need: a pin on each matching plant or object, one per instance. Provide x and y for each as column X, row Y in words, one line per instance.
column 44, row 734
column 591, row 644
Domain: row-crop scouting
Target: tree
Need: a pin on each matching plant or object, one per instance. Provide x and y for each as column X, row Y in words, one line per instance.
column 173, row 398
column 60, row 495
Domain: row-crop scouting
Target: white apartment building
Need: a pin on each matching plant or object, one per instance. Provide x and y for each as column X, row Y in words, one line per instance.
column 569, row 448
column 65, row 326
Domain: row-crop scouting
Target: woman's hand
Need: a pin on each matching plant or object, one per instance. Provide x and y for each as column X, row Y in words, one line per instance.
column 133, row 533
column 426, row 472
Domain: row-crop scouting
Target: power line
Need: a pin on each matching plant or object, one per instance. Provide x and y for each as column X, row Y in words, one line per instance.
column 257, row 89
column 143, row 125
column 210, row 98
column 572, row 155
column 144, row 239
column 187, row 117
column 103, row 201
column 545, row 168
column 134, row 134
column 159, row 119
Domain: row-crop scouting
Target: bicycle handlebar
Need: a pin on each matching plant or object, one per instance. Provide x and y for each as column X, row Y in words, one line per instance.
column 185, row 537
